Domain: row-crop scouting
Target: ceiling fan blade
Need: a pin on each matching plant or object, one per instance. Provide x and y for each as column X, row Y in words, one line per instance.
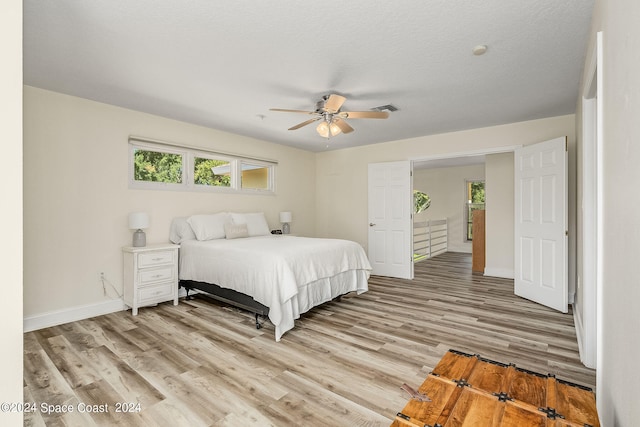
column 344, row 126
column 333, row 104
column 364, row 114
column 292, row 111
column 299, row 125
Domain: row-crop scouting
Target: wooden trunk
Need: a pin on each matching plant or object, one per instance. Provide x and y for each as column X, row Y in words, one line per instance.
column 467, row 390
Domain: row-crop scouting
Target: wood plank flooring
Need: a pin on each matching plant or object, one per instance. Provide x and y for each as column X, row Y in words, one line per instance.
column 204, row 364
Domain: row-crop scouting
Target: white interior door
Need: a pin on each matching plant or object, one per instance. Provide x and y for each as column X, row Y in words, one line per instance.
column 541, row 198
column 390, row 221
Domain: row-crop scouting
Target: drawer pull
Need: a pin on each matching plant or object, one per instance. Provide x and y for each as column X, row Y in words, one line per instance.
column 158, row 259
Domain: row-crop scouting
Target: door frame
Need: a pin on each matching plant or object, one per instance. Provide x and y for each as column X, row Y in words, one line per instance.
column 588, row 322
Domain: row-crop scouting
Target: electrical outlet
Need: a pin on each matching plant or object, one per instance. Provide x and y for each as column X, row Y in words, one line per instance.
column 102, row 275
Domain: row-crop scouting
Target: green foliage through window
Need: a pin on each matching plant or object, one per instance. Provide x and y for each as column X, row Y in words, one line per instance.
column 475, row 201
column 156, row 166
column 421, row 201
column 204, row 174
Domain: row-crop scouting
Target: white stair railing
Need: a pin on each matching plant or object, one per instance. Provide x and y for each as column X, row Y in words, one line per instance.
column 429, row 238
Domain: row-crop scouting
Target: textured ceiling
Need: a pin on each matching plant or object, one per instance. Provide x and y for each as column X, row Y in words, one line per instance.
column 223, row 64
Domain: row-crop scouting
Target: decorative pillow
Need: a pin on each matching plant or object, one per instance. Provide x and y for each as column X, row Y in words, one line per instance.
column 235, row 231
column 256, row 223
column 208, row 227
column 180, row 230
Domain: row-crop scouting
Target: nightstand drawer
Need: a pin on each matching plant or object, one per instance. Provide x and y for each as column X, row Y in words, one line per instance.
column 158, row 293
column 156, row 274
column 156, row 258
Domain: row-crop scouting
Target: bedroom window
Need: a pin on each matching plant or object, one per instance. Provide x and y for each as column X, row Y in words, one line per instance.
column 255, row 176
column 160, row 167
column 474, row 201
column 211, row 171
column 156, row 165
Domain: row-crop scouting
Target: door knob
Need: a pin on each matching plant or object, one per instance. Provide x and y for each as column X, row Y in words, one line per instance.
column 371, row 224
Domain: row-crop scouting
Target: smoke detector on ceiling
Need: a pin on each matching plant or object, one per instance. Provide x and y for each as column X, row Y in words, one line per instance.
column 480, row 49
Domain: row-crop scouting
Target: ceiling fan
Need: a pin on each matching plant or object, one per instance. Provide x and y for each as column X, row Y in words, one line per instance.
column 332, row 119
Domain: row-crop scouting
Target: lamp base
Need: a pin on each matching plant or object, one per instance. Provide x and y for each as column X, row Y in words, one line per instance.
column 139, row 239
column 285, row 228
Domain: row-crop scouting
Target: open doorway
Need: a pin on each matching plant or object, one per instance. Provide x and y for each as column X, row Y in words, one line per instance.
column 446, row 179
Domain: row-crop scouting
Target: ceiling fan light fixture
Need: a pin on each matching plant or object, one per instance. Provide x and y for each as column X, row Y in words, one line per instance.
column 327, row 129
column 323, row 129
column 333, row 127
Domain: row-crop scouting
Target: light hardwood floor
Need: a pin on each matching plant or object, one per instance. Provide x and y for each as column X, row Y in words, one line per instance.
column 201, row 363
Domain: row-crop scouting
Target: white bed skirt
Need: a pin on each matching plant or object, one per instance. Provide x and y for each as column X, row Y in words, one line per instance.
column 321, row 291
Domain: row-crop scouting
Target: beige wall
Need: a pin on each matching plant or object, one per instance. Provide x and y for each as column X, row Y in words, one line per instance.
column 341, row 176
column 77, row 197
column 499, row 188
column 11, row 190
column 446, row 188
column 618, row 377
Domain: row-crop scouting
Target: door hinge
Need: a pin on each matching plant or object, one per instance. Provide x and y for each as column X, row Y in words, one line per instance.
column 566, row 145
column 566, row 232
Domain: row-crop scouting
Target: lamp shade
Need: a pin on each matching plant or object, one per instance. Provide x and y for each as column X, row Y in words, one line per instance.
column 138, row 220
column 285, row 217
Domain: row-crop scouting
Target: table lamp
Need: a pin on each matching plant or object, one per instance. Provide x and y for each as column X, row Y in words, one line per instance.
column 139, row 221
column 285, row 219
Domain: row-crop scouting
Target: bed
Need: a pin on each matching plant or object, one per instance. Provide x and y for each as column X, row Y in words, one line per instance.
column 236, row 259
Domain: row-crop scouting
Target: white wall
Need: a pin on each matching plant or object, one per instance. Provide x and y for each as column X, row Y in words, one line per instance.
column 618, row 377
column 341, row 176
column 77, row 197
column 11, row 213
column 447, row 189
column 499, row 227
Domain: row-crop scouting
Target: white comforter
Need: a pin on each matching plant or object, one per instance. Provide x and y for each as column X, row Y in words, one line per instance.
column 288, row 274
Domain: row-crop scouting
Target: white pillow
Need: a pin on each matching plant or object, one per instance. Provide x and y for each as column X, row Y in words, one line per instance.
column 236, row 231
column 208, row 227
column 180, row 230
column 256, row 223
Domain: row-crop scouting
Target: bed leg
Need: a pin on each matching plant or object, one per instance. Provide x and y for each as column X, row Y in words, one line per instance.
column 258, row 325
column 188, row 297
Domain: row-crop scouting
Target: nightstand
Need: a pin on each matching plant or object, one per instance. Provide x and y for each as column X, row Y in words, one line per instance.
column 150, row 275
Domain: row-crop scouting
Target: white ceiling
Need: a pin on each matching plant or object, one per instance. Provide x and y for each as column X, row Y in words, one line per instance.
column 223, row 64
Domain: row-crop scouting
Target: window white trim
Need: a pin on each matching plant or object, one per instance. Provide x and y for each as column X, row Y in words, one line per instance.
column 140, row 139
column 147, row 185
column 189, row 154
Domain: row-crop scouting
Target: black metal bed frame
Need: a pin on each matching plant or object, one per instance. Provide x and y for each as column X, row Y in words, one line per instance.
column 229, row 296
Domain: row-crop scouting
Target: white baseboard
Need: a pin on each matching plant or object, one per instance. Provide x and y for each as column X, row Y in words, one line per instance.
column 499, row 272
column 53, row 318
column 577, row 321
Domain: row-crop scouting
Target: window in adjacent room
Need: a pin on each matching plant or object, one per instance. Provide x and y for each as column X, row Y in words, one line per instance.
column 474, row 201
